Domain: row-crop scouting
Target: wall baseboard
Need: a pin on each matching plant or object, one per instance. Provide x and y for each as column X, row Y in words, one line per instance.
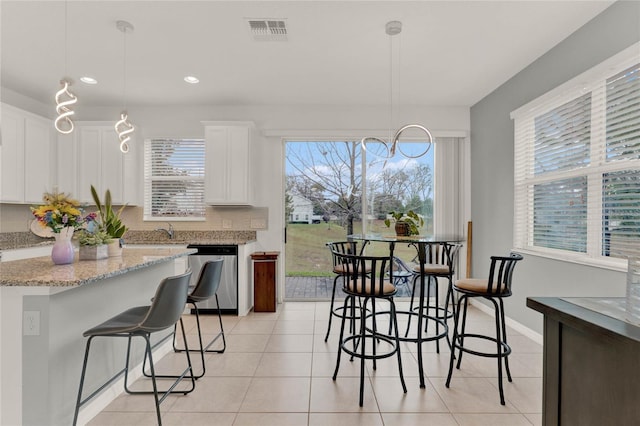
column 525, row 331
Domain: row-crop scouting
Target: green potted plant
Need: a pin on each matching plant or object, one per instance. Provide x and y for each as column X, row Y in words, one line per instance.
column 93, row 245
column 406, row 224
column 109, row 221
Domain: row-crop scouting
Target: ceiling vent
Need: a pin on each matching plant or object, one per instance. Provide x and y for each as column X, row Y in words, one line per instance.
column 268, row 29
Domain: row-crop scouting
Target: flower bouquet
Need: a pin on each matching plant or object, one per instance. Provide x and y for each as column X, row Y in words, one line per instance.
column 58, row 212
column 61, row 215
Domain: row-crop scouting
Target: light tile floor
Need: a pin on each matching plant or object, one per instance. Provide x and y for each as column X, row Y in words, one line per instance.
column 277, row 371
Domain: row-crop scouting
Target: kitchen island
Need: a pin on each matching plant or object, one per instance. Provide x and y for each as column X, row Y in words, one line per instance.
column 591, row 354
column 45, row 308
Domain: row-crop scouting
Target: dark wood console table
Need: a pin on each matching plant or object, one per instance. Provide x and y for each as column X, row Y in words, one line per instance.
column 591, row 358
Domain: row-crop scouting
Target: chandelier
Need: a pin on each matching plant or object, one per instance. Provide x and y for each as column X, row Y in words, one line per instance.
column 387, row 149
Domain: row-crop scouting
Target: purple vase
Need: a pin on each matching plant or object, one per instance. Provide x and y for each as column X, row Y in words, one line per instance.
column 63, row 252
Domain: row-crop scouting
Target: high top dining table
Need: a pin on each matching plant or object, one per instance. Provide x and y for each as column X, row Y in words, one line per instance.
column 420, row 242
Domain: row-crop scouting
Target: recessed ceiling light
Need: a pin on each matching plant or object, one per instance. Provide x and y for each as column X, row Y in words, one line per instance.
column 88, row 80
column 191, row 79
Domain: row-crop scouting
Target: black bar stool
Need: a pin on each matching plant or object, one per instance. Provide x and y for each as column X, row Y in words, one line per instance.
column 341, row 270
column 493, row 289
column 206, row 288
column 370, row 279
column 164, row 312
column 441, row 262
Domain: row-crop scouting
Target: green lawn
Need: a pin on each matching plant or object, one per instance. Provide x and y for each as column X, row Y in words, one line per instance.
column 307, row 255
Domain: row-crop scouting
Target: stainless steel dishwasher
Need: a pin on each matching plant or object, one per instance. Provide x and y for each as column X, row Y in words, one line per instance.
column 228, row 291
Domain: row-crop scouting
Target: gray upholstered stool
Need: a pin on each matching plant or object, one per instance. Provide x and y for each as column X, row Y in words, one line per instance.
column 205, row 288
column 164, row 312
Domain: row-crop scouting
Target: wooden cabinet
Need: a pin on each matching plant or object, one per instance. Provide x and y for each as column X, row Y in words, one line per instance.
column 590, row 362
column 25, row 156
column 228, row 163
column 91, row 156
column 264, row 281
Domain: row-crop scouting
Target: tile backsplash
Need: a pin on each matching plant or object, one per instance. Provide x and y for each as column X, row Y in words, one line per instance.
column 17, row 217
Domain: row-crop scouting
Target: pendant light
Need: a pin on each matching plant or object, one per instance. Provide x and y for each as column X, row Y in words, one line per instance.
column 123, row 127
column 386, row 149
column 64, row 98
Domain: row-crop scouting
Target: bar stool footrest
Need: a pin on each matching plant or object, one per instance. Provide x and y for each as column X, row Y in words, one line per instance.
column 375, row 340
column 506, row 349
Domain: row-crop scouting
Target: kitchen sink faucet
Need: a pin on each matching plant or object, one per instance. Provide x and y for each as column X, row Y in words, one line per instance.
column 169, row 231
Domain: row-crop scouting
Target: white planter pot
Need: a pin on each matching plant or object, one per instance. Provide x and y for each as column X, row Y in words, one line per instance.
column 114, row 248
column 94, row 252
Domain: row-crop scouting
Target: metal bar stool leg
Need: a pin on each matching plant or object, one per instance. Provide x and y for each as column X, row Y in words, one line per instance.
column 455, row 341
column 331, row 313
column 498, row 320
column 344, row 318
column 413, row 293
column 504, row 339
column 82, row 375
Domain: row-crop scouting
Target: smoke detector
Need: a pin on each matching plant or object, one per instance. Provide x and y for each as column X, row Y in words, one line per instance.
column 268, row 29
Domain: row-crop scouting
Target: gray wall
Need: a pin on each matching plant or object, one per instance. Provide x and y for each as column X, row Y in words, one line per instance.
column 613, row 30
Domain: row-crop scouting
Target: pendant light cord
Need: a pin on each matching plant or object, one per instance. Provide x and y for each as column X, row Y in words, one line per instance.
column 66, row 29
column 124, row 68
column 390, row 86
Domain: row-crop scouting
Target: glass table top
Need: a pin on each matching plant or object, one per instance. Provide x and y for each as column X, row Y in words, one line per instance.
column 393, row 238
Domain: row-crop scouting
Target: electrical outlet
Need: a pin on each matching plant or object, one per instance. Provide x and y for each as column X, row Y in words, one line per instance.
column 31, row 323
column 227, row 224
column 258, row 224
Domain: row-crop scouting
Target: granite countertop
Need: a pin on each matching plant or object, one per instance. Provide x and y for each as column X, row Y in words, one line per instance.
column 41, row 272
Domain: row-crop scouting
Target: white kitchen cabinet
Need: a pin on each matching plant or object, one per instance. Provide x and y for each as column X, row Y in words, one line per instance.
column 228, row 163
column 25, row 156
column 92, row 157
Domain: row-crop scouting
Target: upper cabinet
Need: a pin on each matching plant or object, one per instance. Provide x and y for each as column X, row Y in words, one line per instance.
column 228, row 167
column 91, row 156
column 25, row 156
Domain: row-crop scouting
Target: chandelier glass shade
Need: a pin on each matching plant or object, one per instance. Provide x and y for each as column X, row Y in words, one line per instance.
column 64, row 100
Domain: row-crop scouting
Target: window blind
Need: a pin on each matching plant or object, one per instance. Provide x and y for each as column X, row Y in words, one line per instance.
column 577, row 166
column 174, row 178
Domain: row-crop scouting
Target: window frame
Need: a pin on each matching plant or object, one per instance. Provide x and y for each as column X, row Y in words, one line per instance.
column 148, row 180
column 594, row 81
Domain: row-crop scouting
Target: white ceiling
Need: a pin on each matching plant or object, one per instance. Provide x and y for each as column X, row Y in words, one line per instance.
column 451, row 53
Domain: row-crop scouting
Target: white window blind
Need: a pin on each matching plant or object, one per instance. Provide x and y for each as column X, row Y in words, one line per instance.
column 577, row 167
column 174, row 179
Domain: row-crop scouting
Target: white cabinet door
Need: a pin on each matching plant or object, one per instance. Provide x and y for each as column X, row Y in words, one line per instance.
column 112, row 167
column 26, row 158
column 89, row 163
column 228, row 167
column 12, row 156
column 92, row 157
column 38, row 176
column 67, row 164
